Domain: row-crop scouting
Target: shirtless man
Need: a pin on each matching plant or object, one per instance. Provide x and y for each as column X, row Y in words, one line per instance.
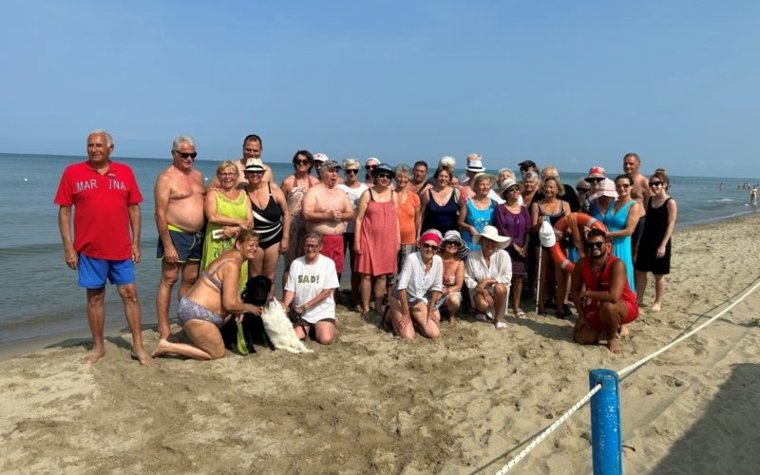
column 604, row 302
column 179, row 218
column 326, row 209
column 639, row 191
column 251, row 149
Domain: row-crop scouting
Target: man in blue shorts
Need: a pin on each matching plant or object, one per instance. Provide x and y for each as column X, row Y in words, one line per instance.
column 106, row 201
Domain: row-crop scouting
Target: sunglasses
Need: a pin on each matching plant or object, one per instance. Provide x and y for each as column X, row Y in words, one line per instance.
column 352, row 171
column 655, row 183
column 254, row 172
column 311, row 246
column 186, row 155
column 513, row 189
column 370, row 167
column 384, row 175
column 595, row 245
column 432, row 247
column 452, row 243
column 594, row 180
column 300, row 162
column 582, row 190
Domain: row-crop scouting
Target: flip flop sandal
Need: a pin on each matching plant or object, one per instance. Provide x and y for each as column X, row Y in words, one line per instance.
column 520, row 314
column 500, row 325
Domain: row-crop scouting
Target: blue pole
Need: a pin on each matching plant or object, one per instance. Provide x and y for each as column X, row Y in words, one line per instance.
column 606, row 441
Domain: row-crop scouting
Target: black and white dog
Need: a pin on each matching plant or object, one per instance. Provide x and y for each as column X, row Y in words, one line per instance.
column 256, row 293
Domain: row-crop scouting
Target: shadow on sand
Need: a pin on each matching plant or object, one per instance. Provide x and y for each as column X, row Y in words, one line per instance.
column 727, row 438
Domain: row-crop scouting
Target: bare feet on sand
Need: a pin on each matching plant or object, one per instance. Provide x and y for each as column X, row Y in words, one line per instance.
column 161, row 349
column 142, row 357
column 655, row 307
column 93, row 356
column 614, row 346
column 624, row 331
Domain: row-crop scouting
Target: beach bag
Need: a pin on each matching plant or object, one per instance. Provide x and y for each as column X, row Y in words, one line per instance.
column 280, row 329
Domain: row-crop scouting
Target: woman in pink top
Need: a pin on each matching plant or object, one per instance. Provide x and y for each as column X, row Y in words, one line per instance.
column 376, row 236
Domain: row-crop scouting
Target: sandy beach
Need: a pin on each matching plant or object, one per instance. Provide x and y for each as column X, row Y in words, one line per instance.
column 372, row 403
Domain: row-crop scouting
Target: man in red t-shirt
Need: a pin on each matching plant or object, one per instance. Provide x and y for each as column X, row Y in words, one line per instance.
column 601, row 294
column 106, row 201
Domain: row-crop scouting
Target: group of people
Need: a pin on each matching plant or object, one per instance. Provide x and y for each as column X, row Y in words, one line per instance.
column 419, row 248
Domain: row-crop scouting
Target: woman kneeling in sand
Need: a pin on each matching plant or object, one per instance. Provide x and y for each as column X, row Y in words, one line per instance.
column 414, row 301
column 212, row 301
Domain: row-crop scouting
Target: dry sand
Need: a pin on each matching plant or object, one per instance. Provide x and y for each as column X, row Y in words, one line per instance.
column 372, row 403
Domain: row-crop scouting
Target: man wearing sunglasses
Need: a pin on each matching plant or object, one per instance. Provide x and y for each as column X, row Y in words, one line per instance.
column 179, row 194
column 601, row 294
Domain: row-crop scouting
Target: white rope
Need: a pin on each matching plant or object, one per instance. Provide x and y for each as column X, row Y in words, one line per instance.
column 543, row 435
column 642, row 361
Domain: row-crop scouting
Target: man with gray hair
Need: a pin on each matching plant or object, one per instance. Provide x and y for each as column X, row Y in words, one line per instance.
column 326, row 210
column 106, row 202
column 179, row 196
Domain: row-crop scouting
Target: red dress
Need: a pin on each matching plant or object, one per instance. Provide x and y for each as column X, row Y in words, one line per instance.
column 379, row 239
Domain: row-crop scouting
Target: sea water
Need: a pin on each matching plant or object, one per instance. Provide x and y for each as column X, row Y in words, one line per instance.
column 38, row 292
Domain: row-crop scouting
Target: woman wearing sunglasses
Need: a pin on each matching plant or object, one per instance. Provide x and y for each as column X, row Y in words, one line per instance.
column 376, row 237
column 414, row 301
column 621, row 218
column 653, row 253
column 453, row 251
column 513, row 220
column 353, row 189
column 295, row 187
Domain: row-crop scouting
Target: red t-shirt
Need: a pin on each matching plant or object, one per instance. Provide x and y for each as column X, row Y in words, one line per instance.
column 101, row 220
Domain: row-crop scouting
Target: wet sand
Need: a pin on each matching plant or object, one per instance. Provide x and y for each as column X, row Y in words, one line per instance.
column 373, row 403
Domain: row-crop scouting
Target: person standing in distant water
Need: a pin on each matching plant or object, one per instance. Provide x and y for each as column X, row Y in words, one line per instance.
column 654, row 248
column 326, row 210
column 252, row 147
column 179, row 219
column 295, row 187
column 106, row 201
column 639, row 191
column 419, row 176
column 753, row 196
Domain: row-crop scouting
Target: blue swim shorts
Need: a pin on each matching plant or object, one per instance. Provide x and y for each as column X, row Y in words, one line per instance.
column 93, row 272
column 189, row 245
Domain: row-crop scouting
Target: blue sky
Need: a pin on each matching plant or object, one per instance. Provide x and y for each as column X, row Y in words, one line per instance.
column 569, row 83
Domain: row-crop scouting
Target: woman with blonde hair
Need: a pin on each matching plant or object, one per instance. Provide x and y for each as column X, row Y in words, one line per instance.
column 227, row 213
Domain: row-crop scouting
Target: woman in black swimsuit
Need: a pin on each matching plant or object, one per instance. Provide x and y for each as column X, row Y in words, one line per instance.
column 271, row 220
